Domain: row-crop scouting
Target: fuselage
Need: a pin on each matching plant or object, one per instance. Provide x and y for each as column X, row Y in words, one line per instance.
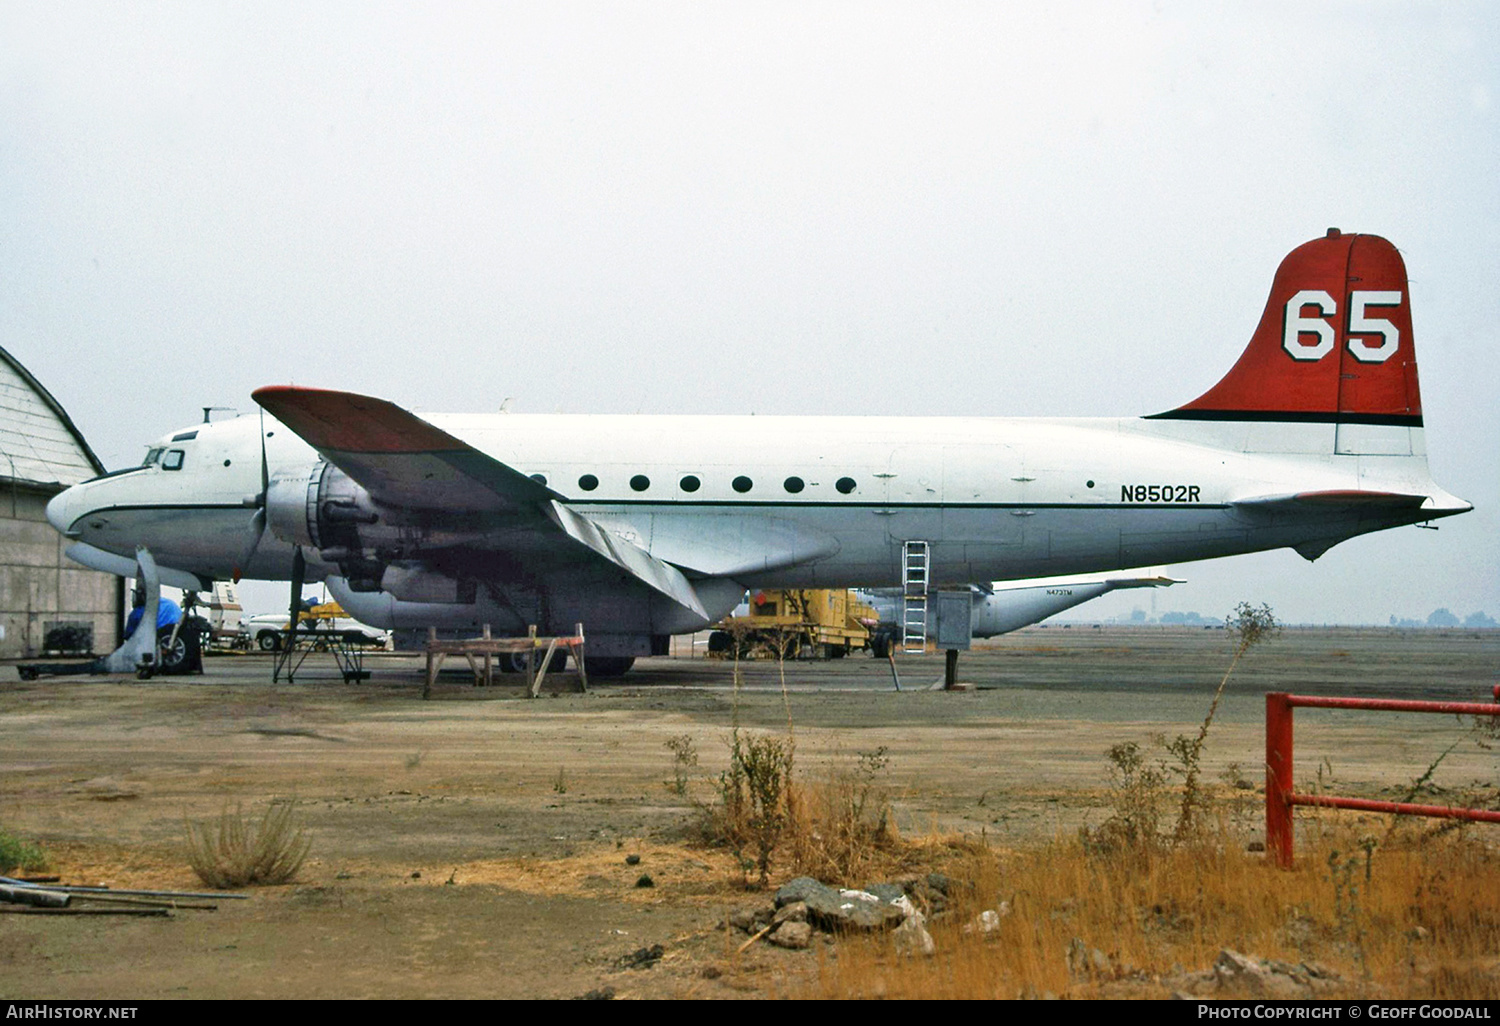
column 644, row 526
column 820, row 501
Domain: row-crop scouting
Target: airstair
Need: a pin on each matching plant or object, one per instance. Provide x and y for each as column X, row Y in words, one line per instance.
column 916, row 575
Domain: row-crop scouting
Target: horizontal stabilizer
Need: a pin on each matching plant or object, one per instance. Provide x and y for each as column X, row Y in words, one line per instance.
column 1342, row 499
column 1145, row 582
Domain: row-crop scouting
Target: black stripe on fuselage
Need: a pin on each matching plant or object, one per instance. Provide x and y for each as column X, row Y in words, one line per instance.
column 780, row 504
column 1292, row 417
column 750, row 503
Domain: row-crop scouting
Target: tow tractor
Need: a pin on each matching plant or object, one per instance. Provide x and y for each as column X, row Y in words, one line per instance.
column 797, row 623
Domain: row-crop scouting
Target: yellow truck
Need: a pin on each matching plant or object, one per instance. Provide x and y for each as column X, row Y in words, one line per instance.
column 798, row 623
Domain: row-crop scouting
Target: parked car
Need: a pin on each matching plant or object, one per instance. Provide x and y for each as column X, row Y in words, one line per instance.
column 266, row 630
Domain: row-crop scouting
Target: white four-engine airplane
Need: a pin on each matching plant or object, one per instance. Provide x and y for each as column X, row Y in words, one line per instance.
column 640, row 527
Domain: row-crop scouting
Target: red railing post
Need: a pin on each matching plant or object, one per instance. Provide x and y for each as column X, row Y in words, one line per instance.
column 1279, row 778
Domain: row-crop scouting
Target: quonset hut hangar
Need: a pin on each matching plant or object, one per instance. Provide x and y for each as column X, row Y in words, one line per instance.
column 47, row 602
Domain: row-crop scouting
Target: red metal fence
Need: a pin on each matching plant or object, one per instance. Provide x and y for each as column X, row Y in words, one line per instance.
column 1280, row 797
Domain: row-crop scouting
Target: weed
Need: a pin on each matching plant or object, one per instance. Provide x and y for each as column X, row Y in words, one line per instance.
column 767, row 764
column 1138, row 792
column 842, row 823
column 1247, row 627
column 1234, row 776
column 684, row 758
column 560, row 782
column 1349, row 923
column 234, row 853
column 414, row 760
column 18, row 854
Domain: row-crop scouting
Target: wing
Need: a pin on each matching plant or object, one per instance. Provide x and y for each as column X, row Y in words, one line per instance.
column 407, row 463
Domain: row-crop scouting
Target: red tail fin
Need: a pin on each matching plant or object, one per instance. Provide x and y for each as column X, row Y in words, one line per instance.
column 1334, row 343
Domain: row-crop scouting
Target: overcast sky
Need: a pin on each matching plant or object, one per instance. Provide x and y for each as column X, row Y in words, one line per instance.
column 1007, row 209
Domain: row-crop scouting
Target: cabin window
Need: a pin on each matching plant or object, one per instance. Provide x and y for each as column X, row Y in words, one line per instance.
column 690, row 483
column 151, row 457
column 172, row 460
column 640, row 482
column 793, row 485
column 588, row 482
column 845, row 485
column 742, row 484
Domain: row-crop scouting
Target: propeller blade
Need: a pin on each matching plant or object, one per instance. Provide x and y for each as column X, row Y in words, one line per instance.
column 265, row 469
column 258, row 525
column 258, row 522
column 299, row 574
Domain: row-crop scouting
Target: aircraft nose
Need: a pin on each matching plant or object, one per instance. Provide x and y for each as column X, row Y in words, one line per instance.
column 58, row 510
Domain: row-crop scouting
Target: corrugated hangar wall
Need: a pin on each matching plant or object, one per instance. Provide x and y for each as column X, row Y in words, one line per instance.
column 46, row 600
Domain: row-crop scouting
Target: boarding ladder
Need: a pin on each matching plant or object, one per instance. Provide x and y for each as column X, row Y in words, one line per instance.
column 916, row 575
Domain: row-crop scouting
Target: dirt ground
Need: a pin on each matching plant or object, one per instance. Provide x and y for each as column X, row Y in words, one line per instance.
column 475, row 845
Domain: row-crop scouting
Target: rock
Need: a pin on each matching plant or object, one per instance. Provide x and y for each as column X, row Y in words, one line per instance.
column 1086, row 961
column 864, row 911
column 796, row 912
column 987, row 921
column 823, row 902
column 791, row 934
column 804, row 888
column 922, row 890
column 911, row 937
column 1242, row 974
column 1319, row 971
column 601, row 994
column 641, row 958
column 645, row 881
column 632, row 860
column 833, row 910
column 887, row 892
column 751, row 919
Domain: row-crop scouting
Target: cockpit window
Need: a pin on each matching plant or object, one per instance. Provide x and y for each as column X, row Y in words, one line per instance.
column 152, row 457
column 172, row 460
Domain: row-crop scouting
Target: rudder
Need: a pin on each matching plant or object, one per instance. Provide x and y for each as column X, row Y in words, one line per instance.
column 1334, row 344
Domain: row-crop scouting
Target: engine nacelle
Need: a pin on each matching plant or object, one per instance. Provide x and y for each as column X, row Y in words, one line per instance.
column 321, row 507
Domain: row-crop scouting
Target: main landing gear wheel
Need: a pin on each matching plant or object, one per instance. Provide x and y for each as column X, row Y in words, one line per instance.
column 607, row 666
column 517, row 662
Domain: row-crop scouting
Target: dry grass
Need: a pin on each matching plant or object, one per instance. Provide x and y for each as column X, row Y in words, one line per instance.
column 840, row 827
column 235, row 853
column 836, row 827
column 1425, row 924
